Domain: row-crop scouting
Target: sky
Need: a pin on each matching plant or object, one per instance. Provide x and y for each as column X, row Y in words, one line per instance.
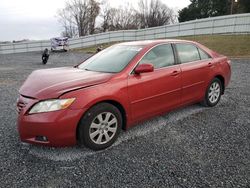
column 36, row 19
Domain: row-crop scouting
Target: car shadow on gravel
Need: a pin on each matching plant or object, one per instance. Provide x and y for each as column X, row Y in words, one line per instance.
column 142, row 129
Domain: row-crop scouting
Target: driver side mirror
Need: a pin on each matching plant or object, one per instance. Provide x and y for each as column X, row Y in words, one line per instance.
column 142, row 68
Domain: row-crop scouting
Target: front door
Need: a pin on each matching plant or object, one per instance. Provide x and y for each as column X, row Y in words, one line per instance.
column 157, row 91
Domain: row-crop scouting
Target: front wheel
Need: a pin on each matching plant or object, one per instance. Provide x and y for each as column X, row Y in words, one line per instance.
column 100, row 126
column 213, row 93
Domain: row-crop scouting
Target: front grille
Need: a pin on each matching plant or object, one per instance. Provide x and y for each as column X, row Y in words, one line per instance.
column 20, row 106
column 23, row 101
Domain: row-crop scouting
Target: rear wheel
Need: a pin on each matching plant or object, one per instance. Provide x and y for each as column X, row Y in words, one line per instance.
column 100, row 126
column 213, row 93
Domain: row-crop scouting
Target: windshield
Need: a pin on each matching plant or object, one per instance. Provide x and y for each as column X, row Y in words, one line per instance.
column 113, row 59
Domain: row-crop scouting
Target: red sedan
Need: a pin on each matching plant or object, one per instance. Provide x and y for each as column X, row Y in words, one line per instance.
column 126, row 83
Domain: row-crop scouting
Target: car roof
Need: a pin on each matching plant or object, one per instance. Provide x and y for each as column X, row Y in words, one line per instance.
column 150, row 43
column 153, row 42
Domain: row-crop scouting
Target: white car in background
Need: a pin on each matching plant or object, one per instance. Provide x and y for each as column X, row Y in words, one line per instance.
column 59, row 44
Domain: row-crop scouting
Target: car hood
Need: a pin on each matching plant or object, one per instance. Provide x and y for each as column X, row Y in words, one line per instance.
column 51, row 83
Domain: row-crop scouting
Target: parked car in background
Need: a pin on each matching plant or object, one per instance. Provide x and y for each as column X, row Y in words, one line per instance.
column 59, row 44
column 115, row 89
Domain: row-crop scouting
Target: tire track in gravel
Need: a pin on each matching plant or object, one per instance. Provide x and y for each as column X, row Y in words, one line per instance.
column 140, row 130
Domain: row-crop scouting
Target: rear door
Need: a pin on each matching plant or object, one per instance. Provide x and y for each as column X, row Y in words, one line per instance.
column 195, row 66
column 154, row 92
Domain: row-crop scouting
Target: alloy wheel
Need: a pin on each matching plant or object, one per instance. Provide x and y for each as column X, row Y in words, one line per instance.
column 103, row 128
column 214, row 92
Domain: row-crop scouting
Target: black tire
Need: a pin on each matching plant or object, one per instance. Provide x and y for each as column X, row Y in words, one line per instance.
column 45, row 60
column 207, row 100
column 90, row 117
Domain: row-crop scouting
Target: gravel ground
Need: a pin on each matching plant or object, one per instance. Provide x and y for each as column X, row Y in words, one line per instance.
column 190, row 147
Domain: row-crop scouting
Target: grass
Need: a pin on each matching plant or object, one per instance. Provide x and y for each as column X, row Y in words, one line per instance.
column 229, row 45
column 234, row 46
column 92, row 49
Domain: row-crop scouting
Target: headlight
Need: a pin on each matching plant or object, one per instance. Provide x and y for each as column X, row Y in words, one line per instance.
column 51, row 105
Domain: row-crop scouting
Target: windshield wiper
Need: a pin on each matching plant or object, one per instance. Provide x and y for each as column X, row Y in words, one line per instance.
column 99, row 71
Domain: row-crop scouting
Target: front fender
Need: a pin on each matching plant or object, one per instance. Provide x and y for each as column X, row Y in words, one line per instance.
column 88, row 97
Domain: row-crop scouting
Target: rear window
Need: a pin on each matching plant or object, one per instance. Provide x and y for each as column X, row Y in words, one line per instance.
column 187, row 53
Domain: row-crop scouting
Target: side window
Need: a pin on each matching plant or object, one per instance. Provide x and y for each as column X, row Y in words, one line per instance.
column 160, row 56
column 203, row 54
column 187, row 53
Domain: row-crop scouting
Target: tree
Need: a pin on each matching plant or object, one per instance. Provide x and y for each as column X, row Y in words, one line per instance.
column 70, row 30
column 155, row 13
column 150, row 14
column 210, row 8
column 203, row 9
column 188, row 13
column 93, row 12
column 79, row 15
column 243, row 6
column 125, row 18
column 122, row 18
column 107, row 14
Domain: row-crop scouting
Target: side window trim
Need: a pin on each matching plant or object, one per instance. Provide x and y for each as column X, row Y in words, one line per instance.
column 198, row 52
column 199, row 49
column 177, row 59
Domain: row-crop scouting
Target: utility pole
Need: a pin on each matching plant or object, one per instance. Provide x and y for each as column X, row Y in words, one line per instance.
column 232, row 5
